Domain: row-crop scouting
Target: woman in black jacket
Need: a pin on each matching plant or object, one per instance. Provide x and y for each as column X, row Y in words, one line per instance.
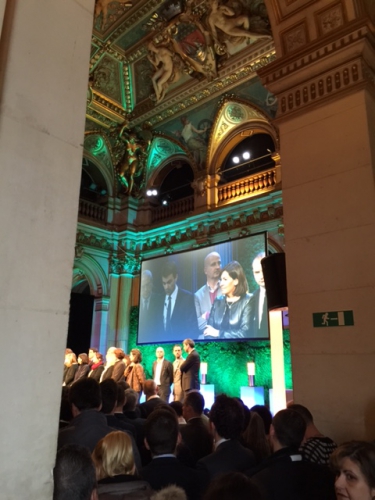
column 230, row 314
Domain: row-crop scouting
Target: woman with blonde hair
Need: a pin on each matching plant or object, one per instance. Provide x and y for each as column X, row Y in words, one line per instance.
column 134, row 373
column 115, row 469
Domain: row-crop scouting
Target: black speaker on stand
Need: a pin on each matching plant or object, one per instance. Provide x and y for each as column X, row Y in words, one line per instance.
column 274, row 273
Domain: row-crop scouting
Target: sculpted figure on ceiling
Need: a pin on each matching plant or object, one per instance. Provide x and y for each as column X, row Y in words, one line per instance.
column 101, row 7
column 224, row 19
column 132, row 151
column 191, row 40
column 168, row 68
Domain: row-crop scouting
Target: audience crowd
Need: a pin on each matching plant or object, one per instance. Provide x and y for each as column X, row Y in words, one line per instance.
column 112, row 447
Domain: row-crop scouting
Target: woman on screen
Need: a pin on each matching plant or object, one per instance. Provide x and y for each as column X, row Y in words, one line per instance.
column 230, row 314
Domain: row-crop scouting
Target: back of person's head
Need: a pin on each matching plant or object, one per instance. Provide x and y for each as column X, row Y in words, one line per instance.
column 149, row 388
column 361, row 453
column 255, row 438
column 119, row 353
column 131, row 399
column 123, row 384
column 232, row 486
column 74, row 474
column 303, row 411
column 265, row 415
column 171, row 492
column 120, row 396
column 196, row 401
column 113, row 455
column 109, row 395
column 289, row 428
column 161, row 431
column 177, row 407
column 85, row 394
column 227, row 416
column 84, row 358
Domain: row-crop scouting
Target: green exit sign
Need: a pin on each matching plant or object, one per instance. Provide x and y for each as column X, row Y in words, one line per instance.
column 333, row 318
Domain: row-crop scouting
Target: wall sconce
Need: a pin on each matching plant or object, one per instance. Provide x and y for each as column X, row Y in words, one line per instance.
column 251, row 373
column 204, row 368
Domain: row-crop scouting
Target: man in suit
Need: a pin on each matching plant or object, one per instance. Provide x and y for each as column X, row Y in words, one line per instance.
column 161, row 436
column 178, row 308
column 152, row 399
column 162, row 373
column 227, row 419
column 205, row 296
column 195, row 434
column 258, row 302
column 190, row 368
column 177, row 387
column 285, row 475
column 148, row 308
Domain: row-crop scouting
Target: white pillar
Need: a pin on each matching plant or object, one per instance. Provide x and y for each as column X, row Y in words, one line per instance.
column 44, row 57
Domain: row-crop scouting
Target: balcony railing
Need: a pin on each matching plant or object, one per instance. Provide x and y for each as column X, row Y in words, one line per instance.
column 252, row 185
column 92, row 210
column 173, row 209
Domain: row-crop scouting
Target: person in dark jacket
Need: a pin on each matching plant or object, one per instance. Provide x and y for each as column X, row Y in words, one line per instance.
column 230, row 314
column 83, row 367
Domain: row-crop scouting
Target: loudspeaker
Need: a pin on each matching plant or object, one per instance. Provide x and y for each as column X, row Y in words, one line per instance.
column 274, row 273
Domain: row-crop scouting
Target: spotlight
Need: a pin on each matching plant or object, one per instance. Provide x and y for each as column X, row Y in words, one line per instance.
column 246, row 155
column 235, row 159
column 165, row 202
column 149, row 192
column 154, row 192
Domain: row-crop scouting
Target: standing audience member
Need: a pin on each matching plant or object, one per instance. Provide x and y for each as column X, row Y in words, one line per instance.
column 134, row 373
column 83, row 367
column 71, row 368
column 97, row 366
column 195, row 435
column 354, row 465
column 162, row 373
column 177, row 407
column 162, row 434
column 152, row 399
column 190, row 368
column 170, row 493
column 226, row 418
column 74, row 475
column 254, row 438
column 88, row 424
column 315, row 447
column 115, row 365
column 115, row 469
column 284, row 475
column 92, row 352
column 177, row 387
column 265, row 415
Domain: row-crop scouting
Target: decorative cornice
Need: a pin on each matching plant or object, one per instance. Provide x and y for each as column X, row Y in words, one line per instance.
column 326, row 69
column 93, row 241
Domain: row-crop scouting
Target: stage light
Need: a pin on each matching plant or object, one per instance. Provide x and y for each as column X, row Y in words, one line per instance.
column 235, row 159
column 251, row 373
column 204, row 368
column 149, row 192
column 165, row 202
column 246, row 155
column 154, row 192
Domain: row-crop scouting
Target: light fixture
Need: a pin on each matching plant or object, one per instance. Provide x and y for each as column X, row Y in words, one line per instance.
column 204, row 368
column 251, row 373
column 151, row 192
column 246, row 155
column 164, row 202
column 235, row 159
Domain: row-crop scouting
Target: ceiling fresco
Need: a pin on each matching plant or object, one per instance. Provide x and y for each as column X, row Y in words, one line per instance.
column 160, row 69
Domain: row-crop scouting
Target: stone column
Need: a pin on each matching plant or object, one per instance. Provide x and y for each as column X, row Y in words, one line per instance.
column 326, row 120
column 100, row 324
column 44, row 58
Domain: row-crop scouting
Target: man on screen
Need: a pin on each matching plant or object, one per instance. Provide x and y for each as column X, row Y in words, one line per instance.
column 258, row 302
column 178, row 309
column 205, row 296
column 147, row 308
